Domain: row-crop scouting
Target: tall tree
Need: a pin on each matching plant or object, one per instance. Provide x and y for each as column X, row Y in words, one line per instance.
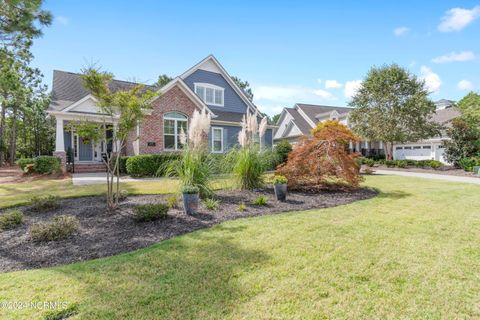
column 470, row 106
column 245, row 86
column 392, row 106
column 464, row 140
column 163, row 79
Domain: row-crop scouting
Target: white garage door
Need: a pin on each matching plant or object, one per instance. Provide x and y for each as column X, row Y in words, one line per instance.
column 413, row 152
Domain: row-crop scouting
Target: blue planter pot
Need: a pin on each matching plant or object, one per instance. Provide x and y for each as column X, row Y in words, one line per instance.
column 280, row 191
column 190, row 203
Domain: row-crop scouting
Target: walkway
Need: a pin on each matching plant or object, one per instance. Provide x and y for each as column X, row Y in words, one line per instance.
column 81, row 179
column 473, row 180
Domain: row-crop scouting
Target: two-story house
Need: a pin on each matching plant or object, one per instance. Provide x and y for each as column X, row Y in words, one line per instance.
column 205, row 86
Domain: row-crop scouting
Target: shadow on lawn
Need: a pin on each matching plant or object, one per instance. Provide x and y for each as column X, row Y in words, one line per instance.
column 183, row 278
column 396, row 194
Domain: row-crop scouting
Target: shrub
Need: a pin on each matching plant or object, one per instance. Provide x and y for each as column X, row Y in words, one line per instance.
column 123, row 164
column 321, row 156
column 172, row 201
column 123, row 194
column 148, row 165
column 270, row 159
column 434, row 164
column 242, row 207
column 247, row 166
column 190, row 189
column 22, row 163
column 279, row 179
column 211, row 204
column 467, row 164
column 390, row 163
column 45, row 203
column 62, row 227
column 11, row 219
column 150, row 211
column 282, row 149
column 369, row 162
column 46, row 164
column 261, row 200
column 401, row 163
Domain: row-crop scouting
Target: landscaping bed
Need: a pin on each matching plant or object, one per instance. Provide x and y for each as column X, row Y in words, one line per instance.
column 103, row 233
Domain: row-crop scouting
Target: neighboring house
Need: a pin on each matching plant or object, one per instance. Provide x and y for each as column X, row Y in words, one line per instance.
column 430, row 149
column 298, row 121
column 206, row 85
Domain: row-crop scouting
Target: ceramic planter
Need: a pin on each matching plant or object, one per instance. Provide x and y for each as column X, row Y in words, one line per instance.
column 280, row 191
column 190, row 203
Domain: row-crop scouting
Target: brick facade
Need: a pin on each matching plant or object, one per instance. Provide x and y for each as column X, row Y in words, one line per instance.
column 151, row 128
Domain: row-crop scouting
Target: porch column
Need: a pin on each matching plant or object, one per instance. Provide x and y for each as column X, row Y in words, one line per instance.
column 59, row 143
column 115, row 143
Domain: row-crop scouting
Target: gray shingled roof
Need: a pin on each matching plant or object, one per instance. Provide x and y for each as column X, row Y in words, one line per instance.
column 312, row 110
column 68, row 88
column 445, row 116
column 300, row 121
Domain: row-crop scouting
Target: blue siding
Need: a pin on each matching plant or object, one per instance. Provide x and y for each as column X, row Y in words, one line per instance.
column 230, row 137
column 232, row 101
column 268, row 138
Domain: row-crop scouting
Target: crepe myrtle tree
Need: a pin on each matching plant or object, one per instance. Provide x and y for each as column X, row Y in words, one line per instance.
column 125, row 109
column 392, row 106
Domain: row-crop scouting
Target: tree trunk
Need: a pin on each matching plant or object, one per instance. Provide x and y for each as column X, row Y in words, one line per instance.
column 13, row 136
column 2, row 128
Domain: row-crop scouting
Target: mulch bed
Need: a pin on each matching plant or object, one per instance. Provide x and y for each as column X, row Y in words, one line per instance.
column 103, row 233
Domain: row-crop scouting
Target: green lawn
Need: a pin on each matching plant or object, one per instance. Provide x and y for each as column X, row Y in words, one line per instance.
column 411, row 252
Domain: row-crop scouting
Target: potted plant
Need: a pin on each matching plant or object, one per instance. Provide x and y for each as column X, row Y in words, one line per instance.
column 280, row 187
column 190, row 199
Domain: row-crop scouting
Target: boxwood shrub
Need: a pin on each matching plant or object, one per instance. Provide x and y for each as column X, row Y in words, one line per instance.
column 62, row 227
column 467, row 164
column 150, row 212
column 11, row 219
column 22, row 163
column 46, row 164
column 148, row 165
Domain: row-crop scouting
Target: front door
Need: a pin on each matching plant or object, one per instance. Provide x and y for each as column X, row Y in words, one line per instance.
column 85, row 150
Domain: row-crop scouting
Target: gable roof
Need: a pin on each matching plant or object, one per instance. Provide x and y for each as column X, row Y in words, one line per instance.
column 68, row 89
column 210, row 59
column 445, row 116
column 299, row 120
column 314, row 112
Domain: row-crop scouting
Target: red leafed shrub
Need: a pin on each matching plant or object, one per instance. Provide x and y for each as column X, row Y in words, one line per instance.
column 323, row 160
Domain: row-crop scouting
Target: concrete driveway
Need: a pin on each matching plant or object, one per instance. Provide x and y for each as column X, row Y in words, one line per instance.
column 444, row 177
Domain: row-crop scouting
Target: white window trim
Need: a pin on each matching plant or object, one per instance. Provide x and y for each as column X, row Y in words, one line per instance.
column 211, row 86
column 213, row 139
column 175, row 134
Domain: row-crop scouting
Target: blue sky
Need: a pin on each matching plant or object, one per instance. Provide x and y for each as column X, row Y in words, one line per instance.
column 289, row 51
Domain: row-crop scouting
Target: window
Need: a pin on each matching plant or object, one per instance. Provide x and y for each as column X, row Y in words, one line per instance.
column 399, row 148
column 210, row 94
column 173, row 123
column 427, row 147
column 417, row 147
column 217, row 140
column 408, row 148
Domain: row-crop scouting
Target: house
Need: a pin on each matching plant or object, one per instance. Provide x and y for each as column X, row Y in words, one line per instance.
column 205, row 86
column 430, row 149
column 298, row 121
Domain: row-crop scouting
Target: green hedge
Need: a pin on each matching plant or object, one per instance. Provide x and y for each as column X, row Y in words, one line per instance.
column 22, row 163
column 46, row 164
column 147, row 165
column 434, row 164
column 467, row 164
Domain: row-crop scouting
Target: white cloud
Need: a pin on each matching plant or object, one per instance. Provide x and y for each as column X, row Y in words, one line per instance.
column 400, row 31
column 455, row 57
column 62, row 20
column 465, row 85
column 432, row 80
column 324, row 94
column 458, row 18
column 332, row 84
column 351, row 88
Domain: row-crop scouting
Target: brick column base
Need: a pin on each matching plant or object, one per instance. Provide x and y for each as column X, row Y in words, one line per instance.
column 63, row 160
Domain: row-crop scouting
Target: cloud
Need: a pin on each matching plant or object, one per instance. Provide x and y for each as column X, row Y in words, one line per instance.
column 455, row 57
column 458, row 18
column 332, row 84
column 324, row 94
column 62, row 20
column 351, row 88
column 465, row 85
column 432, row 80
column 400, row 31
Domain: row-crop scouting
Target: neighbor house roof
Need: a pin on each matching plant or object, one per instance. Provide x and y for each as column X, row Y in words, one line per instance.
column 299, row 120
column 313, row 110
column 68, row 88
column 445, row 116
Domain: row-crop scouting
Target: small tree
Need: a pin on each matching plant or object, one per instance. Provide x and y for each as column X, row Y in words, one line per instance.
column 470, row 106
column 465, row 140
column 282, row 149
column 323, row 160
column 124, row 109
column 392, row 106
